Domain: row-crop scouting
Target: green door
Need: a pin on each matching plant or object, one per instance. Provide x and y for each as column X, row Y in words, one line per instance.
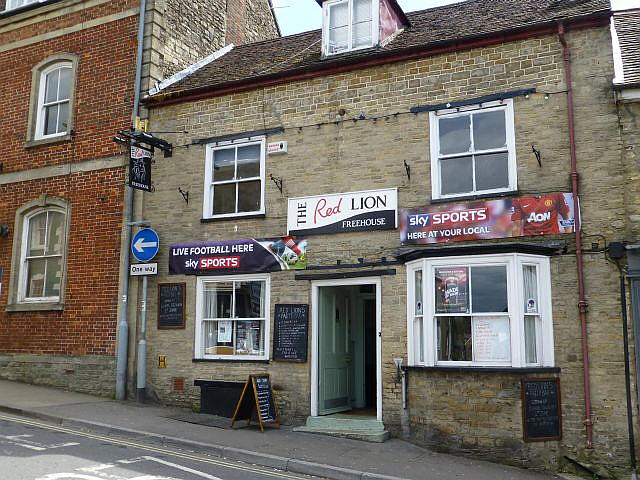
column 334, row 392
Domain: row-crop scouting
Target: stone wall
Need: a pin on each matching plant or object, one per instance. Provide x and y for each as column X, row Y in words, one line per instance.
column 468, row 413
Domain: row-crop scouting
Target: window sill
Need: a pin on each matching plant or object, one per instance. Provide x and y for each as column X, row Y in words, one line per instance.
column 47, row 141
column 233, row 219
column 478, row 196
column 514, row 370
column 35, row 307
column 227, row 360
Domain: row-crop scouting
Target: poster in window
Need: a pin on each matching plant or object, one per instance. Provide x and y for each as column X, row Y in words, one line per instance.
column 225, row 331
column 452, row 290
column 491, row 340
column 248, row 337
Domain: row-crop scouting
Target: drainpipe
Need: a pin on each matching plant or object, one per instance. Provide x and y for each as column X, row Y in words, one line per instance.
column 582, row 302
column 123, row 325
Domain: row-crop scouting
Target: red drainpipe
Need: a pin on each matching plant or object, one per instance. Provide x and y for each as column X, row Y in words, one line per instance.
column 582, row 302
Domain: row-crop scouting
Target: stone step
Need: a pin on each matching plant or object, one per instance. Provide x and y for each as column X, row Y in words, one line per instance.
column 346, row 426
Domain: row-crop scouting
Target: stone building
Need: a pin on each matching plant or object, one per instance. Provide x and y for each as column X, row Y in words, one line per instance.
column 68, row 87
column 412, row 183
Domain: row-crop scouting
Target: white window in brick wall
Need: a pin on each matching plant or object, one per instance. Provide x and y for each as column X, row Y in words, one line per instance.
column 234, row 179
column 54, row 99
column 485, row 310
column 233, row 317
column 42, row 256
column 13, row 4
column 349, row 25
column 473, row 150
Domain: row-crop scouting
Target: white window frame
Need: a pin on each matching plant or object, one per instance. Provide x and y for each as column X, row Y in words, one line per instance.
column 515, row 295
column 40, row 108
column 13, row 4
column 207, row 208
column 198, row 345
column 375, row 26
column 434, row 130
column 22, row 288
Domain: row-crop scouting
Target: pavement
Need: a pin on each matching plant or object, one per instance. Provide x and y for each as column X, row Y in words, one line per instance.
column 305, row 453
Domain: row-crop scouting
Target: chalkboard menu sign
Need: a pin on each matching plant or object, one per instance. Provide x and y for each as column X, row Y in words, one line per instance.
column 541, row 414
column 290, row 332
column 171, row 300
column 256, row 398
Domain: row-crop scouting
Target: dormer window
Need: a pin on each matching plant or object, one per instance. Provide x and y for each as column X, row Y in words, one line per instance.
column 350, row 25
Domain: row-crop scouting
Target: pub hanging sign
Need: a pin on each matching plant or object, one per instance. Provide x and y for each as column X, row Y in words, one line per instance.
column 140, row 169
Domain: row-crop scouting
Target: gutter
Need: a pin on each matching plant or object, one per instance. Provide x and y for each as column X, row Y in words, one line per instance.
column 384, row 57
column 582, row 302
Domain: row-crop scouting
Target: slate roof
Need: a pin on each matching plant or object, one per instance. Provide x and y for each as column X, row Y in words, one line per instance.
column 429, row 29
column 627, row 24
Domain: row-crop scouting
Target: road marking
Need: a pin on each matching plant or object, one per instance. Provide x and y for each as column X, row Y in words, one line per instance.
column 184, row 469
column 21, row 441
column 194, row 457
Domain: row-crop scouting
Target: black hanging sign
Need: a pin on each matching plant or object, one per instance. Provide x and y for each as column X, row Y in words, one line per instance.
column 290, row 332
column 541, row 412
column 140, row 168
column 171, row 301
column 257, row 401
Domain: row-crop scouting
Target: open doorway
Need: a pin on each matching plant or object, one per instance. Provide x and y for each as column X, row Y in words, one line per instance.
column 346, row 363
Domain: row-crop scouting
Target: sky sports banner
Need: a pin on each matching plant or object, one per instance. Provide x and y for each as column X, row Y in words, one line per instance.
column 549, row 214
column 343, row 212
column 238, row 256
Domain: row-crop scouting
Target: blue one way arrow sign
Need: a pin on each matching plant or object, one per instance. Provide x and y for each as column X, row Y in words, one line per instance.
column 145, row 244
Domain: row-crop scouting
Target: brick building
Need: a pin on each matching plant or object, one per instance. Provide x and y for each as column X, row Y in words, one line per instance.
column 68, row 87
column 424, row 170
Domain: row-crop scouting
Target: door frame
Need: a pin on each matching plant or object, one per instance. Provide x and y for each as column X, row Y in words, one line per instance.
column 315, row 286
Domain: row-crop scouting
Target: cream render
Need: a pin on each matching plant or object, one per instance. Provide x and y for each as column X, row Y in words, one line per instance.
column 473, row 412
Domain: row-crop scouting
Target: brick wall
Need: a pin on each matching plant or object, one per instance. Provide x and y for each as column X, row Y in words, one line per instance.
column 468, row 413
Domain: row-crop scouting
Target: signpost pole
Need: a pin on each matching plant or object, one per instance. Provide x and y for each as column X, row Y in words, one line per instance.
column 142, row 346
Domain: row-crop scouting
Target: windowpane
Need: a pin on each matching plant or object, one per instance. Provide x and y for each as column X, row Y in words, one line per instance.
column 224, row 198
column 531, row 338
column 454, row 135
column 249, row 161
column 249, row 337
column 530, row 277
column 361, row 11
column 339, row 15
column 64, row 90
column 224, row 164
column 456, row 175
column 249, row 196
column 338, row 39
column 50, row 120
column 418, row 292
column 37, row 235
column 217, row 300
column 491, row 339
column 55, row 233
column 35, row 277
column 54, row 277
column 492, row 171
column 51, row 87
column 250, row 299
column 489, row 289
column 489, row 130
column 210, row 337
column 362, row 34
column 418, row 334
column 63, row 117
column 454, row 339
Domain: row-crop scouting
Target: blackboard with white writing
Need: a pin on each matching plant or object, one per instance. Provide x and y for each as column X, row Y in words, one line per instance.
column 256, row 400
column 291, row 332
column 171, row 301
column 541, row 411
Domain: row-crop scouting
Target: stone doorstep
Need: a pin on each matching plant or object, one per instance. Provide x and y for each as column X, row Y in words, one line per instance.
column 345, row 426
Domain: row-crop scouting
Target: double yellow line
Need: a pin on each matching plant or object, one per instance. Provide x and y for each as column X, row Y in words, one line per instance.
column 149, row 448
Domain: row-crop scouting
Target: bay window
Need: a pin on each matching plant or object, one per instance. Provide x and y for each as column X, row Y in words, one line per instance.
column 485, row 310
column 233, row 317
